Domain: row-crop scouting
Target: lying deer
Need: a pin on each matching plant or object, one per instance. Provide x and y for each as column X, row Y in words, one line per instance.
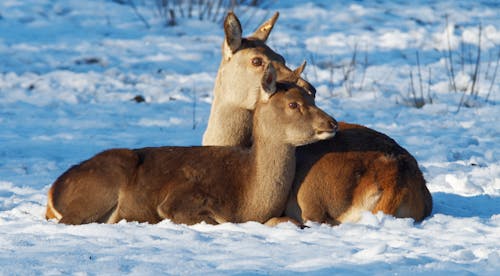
column 336, row 180
column 194, row 184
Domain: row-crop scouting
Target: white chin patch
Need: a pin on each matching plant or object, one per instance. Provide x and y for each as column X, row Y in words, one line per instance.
column 325, row 135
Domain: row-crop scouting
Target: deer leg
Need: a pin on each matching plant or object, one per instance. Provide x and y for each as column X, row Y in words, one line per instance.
column 93, row 209
column 277, row 220
column 311, row 208
column 186, row 206
column 82, row 197
column 88, row 192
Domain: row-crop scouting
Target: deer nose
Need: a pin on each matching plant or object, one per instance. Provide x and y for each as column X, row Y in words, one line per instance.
column 329, row 125
column 327, row 129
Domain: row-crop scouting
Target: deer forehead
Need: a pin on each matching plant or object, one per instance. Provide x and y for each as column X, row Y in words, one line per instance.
column 294, row 93
column 287, row 94
column 257, row 47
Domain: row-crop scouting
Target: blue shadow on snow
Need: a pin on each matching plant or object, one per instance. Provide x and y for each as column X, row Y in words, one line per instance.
column 483, row 206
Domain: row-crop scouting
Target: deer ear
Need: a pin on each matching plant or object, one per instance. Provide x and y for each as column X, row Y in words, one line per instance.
column 268, row 82
column 233, row 32
column 297, row 72
column 301, row 82
column 262, row 33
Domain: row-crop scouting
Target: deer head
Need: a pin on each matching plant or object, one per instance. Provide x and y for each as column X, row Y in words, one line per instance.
column 237, row 89
column 244, row 61
column 289, row 110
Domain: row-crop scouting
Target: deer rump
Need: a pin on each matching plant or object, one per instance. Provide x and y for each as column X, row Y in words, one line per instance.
column 358, row 170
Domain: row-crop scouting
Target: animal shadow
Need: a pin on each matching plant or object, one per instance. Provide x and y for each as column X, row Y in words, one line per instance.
column 483, row 206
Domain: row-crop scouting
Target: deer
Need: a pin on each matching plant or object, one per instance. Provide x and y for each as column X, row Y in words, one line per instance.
column 235, row 91
column 189, row 185
column 359, row 170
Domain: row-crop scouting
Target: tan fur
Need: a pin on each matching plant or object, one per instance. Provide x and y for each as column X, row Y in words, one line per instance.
column 236, row 89
column 277, row 220
column 193, row 184
column 359, row 170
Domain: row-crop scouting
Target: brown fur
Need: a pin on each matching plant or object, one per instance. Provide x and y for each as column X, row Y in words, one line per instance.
column 94, row 184
column 193, row 184
column 358, row 170
column 339, row 174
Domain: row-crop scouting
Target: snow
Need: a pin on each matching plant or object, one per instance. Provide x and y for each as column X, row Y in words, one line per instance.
column 70, row 69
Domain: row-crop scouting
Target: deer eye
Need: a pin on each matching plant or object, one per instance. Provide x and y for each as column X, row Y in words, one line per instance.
column 293, row 105
column 257, row 61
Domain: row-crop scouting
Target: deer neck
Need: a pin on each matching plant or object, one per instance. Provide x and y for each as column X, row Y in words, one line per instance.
column 228, row 124
column 273, row 167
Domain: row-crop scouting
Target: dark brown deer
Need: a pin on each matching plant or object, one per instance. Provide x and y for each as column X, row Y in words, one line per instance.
column 193, row 184
column 358, row 170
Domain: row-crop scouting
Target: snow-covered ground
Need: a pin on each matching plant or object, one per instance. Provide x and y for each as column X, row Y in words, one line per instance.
column 69, row 70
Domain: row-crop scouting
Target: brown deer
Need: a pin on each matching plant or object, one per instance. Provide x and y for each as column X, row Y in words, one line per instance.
column 358, row 170
column 193, row 184
column 236, row 91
